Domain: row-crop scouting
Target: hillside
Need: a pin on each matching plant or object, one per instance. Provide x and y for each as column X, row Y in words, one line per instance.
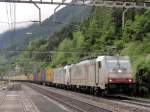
column 19, row 39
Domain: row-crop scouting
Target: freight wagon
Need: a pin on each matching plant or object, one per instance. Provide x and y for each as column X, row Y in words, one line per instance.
column 30, row 77
column 59, row 77
column 21, row 77
column 49, row 76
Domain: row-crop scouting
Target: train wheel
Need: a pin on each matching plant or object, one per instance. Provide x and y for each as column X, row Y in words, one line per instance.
column 96, row 91
column 104, row 93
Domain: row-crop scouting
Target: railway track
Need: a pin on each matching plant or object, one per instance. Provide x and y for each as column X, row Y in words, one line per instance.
column 132, row 100
column 74, row 104
column 136, row 103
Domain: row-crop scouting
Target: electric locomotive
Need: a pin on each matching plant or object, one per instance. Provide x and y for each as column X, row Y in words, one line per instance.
column 103, row 75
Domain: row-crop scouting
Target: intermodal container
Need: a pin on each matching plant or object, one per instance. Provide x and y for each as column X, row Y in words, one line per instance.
column 30, row 77
column 39, row 76
column 43, row 75
column 49, row 75
column 20, row 77
column 35, row 76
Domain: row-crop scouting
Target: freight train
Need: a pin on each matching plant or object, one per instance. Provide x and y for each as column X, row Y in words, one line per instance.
column 102, row 75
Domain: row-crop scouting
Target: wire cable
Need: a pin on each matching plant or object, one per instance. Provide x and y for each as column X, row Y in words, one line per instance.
column 50, row 52
column 14, row 17
column 7, row 12
column 10, row 15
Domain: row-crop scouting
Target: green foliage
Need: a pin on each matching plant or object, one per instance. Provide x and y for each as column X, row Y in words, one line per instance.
column 78, row 40
column 2, row 64
column 61, row 57
column 139, row 29
column 143, row 76
column 68, row 50
column 137, row 37
column 100, row 30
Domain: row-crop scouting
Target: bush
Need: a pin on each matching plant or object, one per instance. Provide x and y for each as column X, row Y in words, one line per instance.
column 143, row 77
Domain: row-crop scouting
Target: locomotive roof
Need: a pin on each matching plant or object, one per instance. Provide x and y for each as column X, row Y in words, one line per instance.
column 100, row 58
column 67, row 66
column 86, row 61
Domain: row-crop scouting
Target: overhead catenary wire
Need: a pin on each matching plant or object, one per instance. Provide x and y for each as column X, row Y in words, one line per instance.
column 7, row 12
column 50, row 52
column 14, row 16
column 20, row 22
column 11, row 15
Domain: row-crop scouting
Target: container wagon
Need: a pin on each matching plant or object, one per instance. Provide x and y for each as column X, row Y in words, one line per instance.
column 49, row 76
column 59, row 77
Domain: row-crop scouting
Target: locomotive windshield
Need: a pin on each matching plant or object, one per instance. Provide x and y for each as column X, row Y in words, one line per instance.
column 121, row 66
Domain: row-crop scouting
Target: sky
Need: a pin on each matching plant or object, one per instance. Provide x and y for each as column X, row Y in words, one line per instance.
column 24, row 12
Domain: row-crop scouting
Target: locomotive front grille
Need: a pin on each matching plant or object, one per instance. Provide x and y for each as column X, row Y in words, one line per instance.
column 120, row 80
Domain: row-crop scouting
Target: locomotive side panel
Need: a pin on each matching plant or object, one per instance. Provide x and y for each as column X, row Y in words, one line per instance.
column 91, row 73
column 67, row 73
column 78, row 75
column 101, row 72
column 83, row 73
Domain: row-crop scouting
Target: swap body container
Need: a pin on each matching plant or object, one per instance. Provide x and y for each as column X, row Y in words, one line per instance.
column 43, row 75
column 59, row 76
column 49, row 75
column 36, row 76
column 39, row 76
column 30, row 77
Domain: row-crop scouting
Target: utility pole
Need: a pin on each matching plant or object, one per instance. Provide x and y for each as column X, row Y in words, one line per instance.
column 54, row 18
column 123, row 16
column 39, row 9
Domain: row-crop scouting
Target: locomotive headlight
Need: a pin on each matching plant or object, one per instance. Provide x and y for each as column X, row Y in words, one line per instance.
column 120, row 71
column 130, row 80
column 110, row 80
